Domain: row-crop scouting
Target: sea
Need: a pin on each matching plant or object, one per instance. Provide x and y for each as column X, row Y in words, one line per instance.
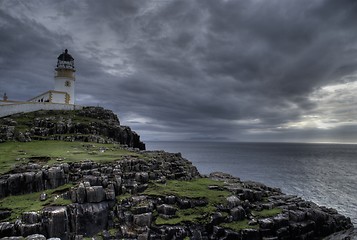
column 323, row 173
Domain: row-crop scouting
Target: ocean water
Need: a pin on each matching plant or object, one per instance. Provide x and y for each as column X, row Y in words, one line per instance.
column 323, row 173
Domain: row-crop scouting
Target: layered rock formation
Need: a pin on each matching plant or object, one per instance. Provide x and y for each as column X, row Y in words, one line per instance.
column 91, row 124
column 147, row 195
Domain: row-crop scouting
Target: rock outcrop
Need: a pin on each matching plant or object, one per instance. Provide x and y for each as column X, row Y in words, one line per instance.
column 147, row 195
column 94, row 197
column 91, row 124
column 95, row 206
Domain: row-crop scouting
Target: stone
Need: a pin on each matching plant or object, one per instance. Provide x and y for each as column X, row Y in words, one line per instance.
column 56, row 222
column 89, row 218
column 233, row 201
column 237, row 213
column 166, row 209
column 143, row 220
column 81, row 193
column 7, row 229
column 43, row 196
column 36, row 237
column 56, row 177
column 266, row 223
column 250, row 234
column 95, row 194
column 31, row 217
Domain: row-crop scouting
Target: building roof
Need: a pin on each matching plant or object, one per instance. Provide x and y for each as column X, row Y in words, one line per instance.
column 65, row 56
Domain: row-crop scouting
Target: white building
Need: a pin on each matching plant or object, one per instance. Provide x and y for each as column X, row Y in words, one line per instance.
column 61, row 98
column 64, row 82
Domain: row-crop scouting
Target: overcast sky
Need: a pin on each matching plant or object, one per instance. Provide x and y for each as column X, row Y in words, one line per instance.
column 230, row 70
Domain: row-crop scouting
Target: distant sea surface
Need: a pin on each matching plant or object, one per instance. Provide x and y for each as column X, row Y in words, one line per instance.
column 323, row 173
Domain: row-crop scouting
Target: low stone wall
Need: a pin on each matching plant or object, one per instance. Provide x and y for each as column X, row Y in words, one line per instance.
column 9, row 109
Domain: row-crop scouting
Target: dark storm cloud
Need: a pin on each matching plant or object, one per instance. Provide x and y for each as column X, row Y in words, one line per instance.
column 187, row 69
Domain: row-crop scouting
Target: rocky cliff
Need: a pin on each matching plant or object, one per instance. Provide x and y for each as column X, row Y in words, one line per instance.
column 91, row 124
column 104, row 190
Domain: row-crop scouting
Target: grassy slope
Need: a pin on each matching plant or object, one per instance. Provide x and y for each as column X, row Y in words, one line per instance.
column 31, row 202
column 12, row 153
column 194, row 189
column 24, row 121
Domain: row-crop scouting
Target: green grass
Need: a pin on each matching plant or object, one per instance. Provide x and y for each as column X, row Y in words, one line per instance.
column 123, row 196
column 267, row 213
column 194, row 189
column 239, row 225
column 197, row 188
column 24, row 121
column 196, row 215
column 13, row 153
column 31, row 202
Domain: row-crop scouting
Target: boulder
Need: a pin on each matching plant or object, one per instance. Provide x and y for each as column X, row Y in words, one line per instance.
column 143, row 220
column 56, row 222
column 233, row 201
column 89, row 218
column 237, row 213
column 95, row 194
column 166, row 210
column 31, row 217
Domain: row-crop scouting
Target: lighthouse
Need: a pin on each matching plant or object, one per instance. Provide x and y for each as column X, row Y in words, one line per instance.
column 64, row 76
column 63, row 92
column 60, row 98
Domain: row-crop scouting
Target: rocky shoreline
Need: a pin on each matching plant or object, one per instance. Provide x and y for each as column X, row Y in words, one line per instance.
column 95, row 208
column 143, row 195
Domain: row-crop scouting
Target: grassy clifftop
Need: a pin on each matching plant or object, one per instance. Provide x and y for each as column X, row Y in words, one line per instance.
column 91, row 124
column 75, row 174
column 51, row 152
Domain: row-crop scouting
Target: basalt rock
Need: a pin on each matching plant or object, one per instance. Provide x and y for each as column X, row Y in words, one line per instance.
column 110, row 196
column 91, row 124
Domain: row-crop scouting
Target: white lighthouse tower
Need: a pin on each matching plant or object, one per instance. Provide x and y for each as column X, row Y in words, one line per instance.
column 61, row 98
column 64, row 76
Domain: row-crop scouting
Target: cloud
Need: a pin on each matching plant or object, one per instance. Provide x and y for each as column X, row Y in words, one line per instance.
column 238, row 70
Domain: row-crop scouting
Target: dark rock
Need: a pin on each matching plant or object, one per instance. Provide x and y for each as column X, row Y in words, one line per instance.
column 237, row 213
column 95, row 194
column 4, row 214
column 250, row 234
column 143, row 220
column 56, row 222
column 170, row 199
column 350, row 234
column 7, row 229
column 233, row 201
column 103, row 126
column 89, row 218
column 166, row 209
column 81, row 193
column 43, row 197
column 31, row 217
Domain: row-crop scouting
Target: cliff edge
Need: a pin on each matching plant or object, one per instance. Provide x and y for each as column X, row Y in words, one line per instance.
column 91, row 124
column 80, row 175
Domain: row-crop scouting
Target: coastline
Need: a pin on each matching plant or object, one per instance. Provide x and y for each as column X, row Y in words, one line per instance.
column 74, row 185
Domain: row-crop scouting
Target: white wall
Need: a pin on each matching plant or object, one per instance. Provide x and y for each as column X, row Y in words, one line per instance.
column 58, row 97
column 6, row 110
column 60, row 85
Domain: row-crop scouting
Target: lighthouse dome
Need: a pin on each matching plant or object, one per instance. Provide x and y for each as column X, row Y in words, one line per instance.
column 65, row 61
column 65, row 56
